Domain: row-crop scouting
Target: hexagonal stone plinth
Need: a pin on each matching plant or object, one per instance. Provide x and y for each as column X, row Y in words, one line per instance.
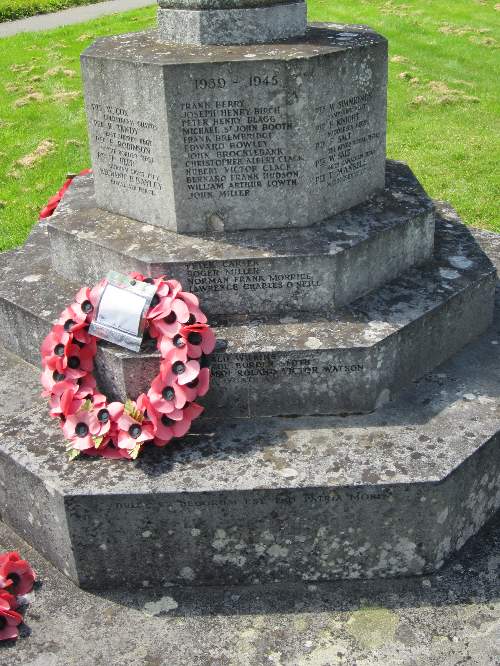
column 388, row 494
column 230, row 21
column 312, row 269
column 229, row 138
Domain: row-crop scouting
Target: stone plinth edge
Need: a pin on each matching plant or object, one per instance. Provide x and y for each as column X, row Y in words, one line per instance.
column 249, row 25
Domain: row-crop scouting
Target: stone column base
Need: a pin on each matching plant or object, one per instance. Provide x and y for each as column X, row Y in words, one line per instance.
column 250, row 25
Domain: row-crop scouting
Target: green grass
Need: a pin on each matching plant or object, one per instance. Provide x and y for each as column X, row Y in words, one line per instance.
column 443, row 105
column 16, row 9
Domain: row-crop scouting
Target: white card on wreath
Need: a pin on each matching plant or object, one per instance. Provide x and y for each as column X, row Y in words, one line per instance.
column 120, row 315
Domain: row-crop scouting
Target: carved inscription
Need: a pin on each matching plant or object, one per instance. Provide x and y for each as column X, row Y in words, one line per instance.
column 246, row 277
column 307, row 500
column 234, row 148
column 124, row 149
column 312, row 500
column 248, row 368
column 344, row 145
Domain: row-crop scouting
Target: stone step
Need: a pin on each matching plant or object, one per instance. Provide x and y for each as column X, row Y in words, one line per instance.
column 422, row 621
column 349, row 361
column 317, row 268
column 392, row 493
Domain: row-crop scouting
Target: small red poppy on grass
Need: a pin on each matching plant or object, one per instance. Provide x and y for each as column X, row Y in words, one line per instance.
column 54, row 201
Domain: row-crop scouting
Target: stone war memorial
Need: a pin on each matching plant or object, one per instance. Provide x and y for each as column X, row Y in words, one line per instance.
column 351, row 428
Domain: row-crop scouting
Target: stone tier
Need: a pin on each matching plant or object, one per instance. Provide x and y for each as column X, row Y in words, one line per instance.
column 313, row 269
column 348, row 361
column 392, row 493
column 222, row 22
column 196, row 139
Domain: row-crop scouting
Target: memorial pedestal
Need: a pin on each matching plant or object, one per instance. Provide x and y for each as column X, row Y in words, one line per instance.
column 329, row 296
column 391, row 493
column 267, row 271
column 192, row 139
column 213, row 22
column 345, row 360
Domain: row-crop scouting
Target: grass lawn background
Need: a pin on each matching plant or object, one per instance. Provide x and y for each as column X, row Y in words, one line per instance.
column 443, row 103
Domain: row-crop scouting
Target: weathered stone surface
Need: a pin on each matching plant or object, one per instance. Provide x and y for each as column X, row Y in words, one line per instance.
column 254, row 23
column 239, row 137
column 447, row 618
column 217, row 4
column 347, row 361
column 397, row 491
column 316, row 268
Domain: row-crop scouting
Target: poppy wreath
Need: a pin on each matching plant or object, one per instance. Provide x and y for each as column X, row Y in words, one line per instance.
column 16, row 580
column 91, row 424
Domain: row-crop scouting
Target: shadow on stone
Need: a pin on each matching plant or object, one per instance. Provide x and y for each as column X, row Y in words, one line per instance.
column 472, row 576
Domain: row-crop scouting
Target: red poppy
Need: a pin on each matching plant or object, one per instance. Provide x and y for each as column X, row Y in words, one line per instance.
column 84, row 300
column 193, row 304
column 55, row 347
column 50, row 208
column 80, row 429
column 81, row 358
column 56, row 383
column 86, row 387
column 133, row 432
column 165, row 393
column 17, row 575
column 200, row 339
column 171, row 320
column 65, row 403
column 167, row 428
column 9, row 618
